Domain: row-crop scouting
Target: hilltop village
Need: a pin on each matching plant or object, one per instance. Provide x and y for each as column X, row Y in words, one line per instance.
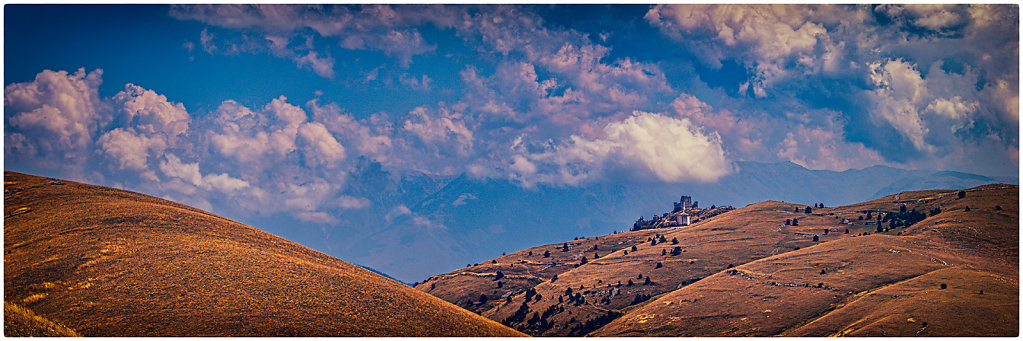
column 684, row 213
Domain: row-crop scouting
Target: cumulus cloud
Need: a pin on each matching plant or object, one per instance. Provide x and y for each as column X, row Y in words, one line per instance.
column 58, row 114
column 670, row 149
column 770, row 37
column 320, row 146
column 255, row 137
column 149, row 125
column 371, row 137
column 375, row 28
column 818, row 148
column 442, row 130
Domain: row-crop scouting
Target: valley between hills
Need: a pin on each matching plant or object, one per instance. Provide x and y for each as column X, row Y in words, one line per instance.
column 95, row 261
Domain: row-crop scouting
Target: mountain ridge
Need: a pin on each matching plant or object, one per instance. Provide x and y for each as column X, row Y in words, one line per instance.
column 755, row 271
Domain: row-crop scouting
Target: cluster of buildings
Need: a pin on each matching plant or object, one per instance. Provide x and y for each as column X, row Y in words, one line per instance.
column 679, row 216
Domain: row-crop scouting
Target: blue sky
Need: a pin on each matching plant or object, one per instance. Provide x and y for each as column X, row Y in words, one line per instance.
column 278, row 109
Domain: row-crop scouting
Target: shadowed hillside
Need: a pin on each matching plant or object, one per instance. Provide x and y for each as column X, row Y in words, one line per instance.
column 932, row 268
column 106, row 262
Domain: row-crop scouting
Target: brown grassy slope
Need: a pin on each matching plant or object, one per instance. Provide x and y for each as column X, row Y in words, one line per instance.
column 788, row 294
column 21, row 322
column 974, row 303
column 108, row 262
column 733, row 238
column 522, row 270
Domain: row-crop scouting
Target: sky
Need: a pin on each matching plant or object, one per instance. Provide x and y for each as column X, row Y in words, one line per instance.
column 275, row 110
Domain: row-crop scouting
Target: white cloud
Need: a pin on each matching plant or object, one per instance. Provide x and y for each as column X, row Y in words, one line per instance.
column 670, row 149
column 223, row 183
column 463, row 199
column 173, row 167
column 150, row 113
column 900, row 89
column 150, row 123
column 370, row 137
column 350, row 202
column 441, row 129
column 58, row 113
column 256, row 137
column 323, row 66
column 128, row 149
column 317, row 218
column 320, row 146
column 769, row 37
column 817, row 148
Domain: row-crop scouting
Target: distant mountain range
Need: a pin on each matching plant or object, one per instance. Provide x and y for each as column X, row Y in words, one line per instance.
column 422, row 225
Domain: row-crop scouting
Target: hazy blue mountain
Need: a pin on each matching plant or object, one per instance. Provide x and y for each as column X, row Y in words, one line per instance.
column 418, row 226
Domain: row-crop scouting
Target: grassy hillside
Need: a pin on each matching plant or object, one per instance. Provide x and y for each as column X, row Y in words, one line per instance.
column 747, row 272
column 107, row 262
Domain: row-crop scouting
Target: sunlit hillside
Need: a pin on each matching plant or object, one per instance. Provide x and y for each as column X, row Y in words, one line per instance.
column 97, row 261
column 932, row 268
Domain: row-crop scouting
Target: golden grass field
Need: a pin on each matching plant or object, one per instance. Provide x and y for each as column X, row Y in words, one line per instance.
column 97, row 261
column 746, row 273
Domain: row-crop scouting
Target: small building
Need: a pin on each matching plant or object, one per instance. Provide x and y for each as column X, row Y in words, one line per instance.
column 682, row 219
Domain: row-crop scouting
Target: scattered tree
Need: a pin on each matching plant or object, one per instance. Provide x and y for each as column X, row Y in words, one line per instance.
column 808, row 210
column 555, row 278
column 583, row 261
column 795, row 222
column 944, row 286
column 868, row 215
column 676, row 251
column 634, row 248
column 664, row 253
column 647, row 281
column 483, row 299
column 658, row 266
column 788, row 222
column 859, row 218
column 494, row 261
column 674, row 241
column 530, row 253
column 797, row 209
column 902, row 208
column 997, row 208
column 815, row 238
column 546, row 254
column 626, row 252
column 629, row 284
column 967, row 209
column 564, row 247
column 826, row 231
column 961, row 194
column 500, row 284
column 499, row 275
column 530, row 293
column 823, row 272
column 846, row 231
